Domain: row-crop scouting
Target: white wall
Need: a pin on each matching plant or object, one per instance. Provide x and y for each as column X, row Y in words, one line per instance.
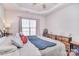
column 13, row 18
column 64, row 21
column 2, row 17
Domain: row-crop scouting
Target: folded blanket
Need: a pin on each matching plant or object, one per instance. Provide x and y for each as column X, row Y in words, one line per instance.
column 40, row 43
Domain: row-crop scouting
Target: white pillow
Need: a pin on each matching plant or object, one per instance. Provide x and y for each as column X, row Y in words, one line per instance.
column 17, row 42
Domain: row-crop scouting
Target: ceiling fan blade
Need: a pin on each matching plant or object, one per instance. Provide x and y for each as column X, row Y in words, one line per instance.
column 34, row 3
column 44, row 6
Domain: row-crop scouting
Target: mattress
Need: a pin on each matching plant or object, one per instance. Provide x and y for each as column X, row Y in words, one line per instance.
column 58, row 50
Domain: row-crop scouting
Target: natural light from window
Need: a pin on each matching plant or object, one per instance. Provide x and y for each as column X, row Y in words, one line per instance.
column 28, row 27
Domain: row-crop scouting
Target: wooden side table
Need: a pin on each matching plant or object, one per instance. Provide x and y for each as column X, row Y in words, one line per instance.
column 74, row 44
column 7, row 34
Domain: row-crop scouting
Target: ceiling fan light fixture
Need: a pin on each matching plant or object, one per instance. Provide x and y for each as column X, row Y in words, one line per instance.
column 44, row 6
column 41, row 4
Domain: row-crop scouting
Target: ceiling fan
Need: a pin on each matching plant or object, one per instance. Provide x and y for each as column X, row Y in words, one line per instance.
column 42, row 4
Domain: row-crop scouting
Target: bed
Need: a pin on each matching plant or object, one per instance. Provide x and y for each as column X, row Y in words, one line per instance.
column 28, row 49
column 31, row 50
column 58, row 50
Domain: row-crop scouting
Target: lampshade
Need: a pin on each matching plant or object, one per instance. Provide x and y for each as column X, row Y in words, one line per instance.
column 8, row 25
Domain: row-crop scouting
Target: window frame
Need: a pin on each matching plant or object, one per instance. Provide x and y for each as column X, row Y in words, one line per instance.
column 29, row 25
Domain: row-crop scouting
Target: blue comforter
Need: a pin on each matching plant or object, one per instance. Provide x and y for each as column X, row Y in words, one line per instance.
column 39, row 43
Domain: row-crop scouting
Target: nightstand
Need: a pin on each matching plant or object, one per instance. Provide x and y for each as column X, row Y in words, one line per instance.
column 7, row 34
column 74, row 44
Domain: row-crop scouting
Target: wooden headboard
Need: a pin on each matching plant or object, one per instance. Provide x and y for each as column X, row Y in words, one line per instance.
column 63, row 38
column 60, row 38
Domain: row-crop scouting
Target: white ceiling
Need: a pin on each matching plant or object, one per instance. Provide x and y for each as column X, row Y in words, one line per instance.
column 30, row 7
column 38, row 7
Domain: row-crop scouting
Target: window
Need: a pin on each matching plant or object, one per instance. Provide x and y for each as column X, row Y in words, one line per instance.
column 28, row 27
